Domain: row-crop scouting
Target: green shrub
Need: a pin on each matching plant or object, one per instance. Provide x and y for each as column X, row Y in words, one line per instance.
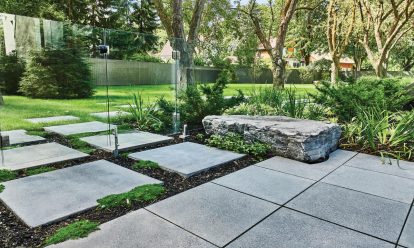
column 236, row 143
column 251, row 109
column 142, row 164
column 144, row 115
column 11, row 71
column 57, row 74
column 7, row 175
column 344, row 99
column 2, row 188
column 76, row 230
column 144, row 193
column 144, row 57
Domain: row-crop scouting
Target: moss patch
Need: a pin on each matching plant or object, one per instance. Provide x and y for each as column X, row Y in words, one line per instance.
column 35, row 171
column 6, row 175
column 79, row 229
column 2, row 188
column 144, row 193
column 145, row 164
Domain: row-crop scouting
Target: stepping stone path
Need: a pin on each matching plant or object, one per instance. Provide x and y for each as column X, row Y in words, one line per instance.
column 112, row 114
column 78, row 128
column 51, row 196
column 38, row 155
column 349, row 200
column 187, row 158
column 20, row 137
column 53, row 119
column 127, row 141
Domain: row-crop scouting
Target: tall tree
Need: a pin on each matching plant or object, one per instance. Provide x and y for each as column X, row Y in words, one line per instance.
column 386, row 22
column 172, row 18
column 403, row 53
column 144, row 20
column 340, row 23
column 267, row 33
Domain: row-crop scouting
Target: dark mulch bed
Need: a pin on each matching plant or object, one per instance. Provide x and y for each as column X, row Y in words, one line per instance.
column 14, row 233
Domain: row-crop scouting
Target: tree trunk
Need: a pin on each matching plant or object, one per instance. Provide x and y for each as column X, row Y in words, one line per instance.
column 334, row 70
column 380, row 69
column 186, row 74
column 278, row 73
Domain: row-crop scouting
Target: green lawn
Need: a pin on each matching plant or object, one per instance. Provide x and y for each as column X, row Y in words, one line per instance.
column 18, row 108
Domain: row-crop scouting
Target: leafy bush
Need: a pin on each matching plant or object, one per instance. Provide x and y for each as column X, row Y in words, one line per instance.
column 35, row 171
column 251, row 109
column 145, row 164
column 79, row 229
column 144, row 57
column 344, row 99
column 56, row 74
column 236, row 143
column 144, row 115
column 381, row 131
column 144, row 193
column 11, row 72
column 2, row 188
column 7, row 175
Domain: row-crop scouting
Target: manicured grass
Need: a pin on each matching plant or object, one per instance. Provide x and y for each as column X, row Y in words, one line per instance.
column 18, row 108
column 35, row 171
column 144, row 193
column 2, row 188
column 145, row 164
column 79, row 229
column 7, row 175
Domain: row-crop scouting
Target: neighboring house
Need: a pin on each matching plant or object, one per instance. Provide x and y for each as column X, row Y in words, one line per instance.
column 166, row 52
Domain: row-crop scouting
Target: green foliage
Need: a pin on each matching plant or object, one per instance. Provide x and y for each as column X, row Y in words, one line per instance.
column 144, row 115
column 145, row 164
column 57, row 74
column 2, row 188
column 80, row 145
column 235, row 142
column 35, row 171
column 144, row 193
column 345, row 99
column 11, row 72
column 75, row 230
column 6, row 175
column 381, row 131
column 251, row 109
column 143, row 57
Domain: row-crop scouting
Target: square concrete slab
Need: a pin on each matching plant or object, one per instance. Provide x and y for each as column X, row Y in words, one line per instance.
column 138, row 229
column 112, row 114
column 127, row 141
column 78, row 128
column 389, row 166
column 267, row 184
column 407, row 236
column 20, row 137
column 187, row 158
column 213, row 212
column 375, row 183
column 288, row 228
column 38, row 155
column 366, row 213
column 51, row 196
column 53, row 119
column 311, row 171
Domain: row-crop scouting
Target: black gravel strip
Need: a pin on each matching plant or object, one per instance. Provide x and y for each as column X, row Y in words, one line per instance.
column 14, row 233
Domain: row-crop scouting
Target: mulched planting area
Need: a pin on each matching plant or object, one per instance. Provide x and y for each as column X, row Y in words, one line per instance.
column 14, row 233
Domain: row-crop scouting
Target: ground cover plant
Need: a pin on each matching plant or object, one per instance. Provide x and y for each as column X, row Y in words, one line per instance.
column 2, row 188
column 75, row 230
column 144, row 193
column 7, row 175
column 40, row 170
column 145, row 164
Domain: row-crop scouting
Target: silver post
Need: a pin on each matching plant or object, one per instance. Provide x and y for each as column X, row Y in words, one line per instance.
column 115, row 133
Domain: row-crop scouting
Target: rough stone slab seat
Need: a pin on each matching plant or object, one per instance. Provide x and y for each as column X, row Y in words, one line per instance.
column 303, row 140
column 20, row 137
column 51, row 196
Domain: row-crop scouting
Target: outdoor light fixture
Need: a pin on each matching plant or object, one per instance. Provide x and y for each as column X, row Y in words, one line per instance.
column 103, row 49
column 176, row 116
column 185, row 135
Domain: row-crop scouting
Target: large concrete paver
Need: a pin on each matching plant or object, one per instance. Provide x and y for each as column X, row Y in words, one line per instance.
column 288, row 228
column 138, row 229
column 20, row 137
column 366, row 213
column 385, row 165
column 213, row 212
column 376, row 183
column 311, row 171
column 112, row 114
column 267, row 184
column 51, row 196
column 187, row 158
column 53, row 119
column 407, row 236
column 78, row 128
column 38, row 155
column 126, row 141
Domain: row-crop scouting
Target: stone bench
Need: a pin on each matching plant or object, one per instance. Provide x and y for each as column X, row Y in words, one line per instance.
column 303, row 140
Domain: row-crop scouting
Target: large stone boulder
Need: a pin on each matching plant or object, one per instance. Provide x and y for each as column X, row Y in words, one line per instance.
column 303, row 140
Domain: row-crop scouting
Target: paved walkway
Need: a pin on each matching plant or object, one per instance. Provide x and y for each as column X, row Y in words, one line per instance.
column 352, row 200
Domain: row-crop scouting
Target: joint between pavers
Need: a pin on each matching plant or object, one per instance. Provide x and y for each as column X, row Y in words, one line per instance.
column 379, row 172
column 405, row 222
